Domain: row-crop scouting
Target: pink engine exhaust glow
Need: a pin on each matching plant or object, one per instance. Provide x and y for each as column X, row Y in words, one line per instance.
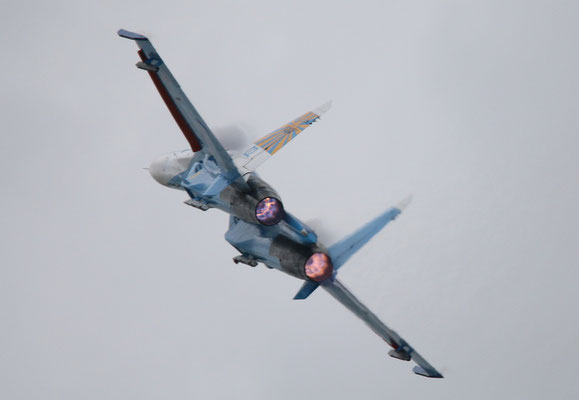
column 319, row 267
column 269, row 211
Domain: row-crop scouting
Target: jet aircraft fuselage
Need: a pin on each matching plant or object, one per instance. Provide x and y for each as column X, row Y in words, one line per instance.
column 260, row 228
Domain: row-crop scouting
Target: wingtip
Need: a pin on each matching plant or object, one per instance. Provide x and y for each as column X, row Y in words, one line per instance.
column 323, row 108
column 130, row 35
column 418, row 370
column 404, row 203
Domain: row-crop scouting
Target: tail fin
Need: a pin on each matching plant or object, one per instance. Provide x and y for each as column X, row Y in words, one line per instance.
column 340, row 252
column 345, row 248
column 267, row 146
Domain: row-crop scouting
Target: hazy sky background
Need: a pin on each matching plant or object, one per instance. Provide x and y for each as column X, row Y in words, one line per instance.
column 111, row 288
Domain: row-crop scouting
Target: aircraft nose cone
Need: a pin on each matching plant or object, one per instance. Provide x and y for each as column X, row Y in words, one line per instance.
column 169, row 166
column 160, row 171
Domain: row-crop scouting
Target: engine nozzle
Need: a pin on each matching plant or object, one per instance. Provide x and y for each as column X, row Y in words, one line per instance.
column 269, row 211
column 319, row 267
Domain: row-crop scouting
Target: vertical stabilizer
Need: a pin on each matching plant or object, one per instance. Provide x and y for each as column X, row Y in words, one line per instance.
column 340, row 252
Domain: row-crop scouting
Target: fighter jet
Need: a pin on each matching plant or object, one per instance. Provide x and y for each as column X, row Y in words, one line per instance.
column 260, row 228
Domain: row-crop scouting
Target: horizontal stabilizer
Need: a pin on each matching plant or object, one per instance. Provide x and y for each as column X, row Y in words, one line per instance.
column 307, row 288
column 340, row 252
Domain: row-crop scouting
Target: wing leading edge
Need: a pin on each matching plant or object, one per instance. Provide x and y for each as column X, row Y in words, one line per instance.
column 194, row 129
column 400, row 348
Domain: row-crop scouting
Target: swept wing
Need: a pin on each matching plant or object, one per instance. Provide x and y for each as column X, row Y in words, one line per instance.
column 400, row 348
column 194, row 129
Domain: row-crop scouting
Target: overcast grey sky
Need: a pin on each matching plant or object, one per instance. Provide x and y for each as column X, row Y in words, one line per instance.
column 111, row 288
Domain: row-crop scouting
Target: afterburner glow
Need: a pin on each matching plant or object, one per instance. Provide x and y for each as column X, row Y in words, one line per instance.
column 319, row 267
column 269, row 211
